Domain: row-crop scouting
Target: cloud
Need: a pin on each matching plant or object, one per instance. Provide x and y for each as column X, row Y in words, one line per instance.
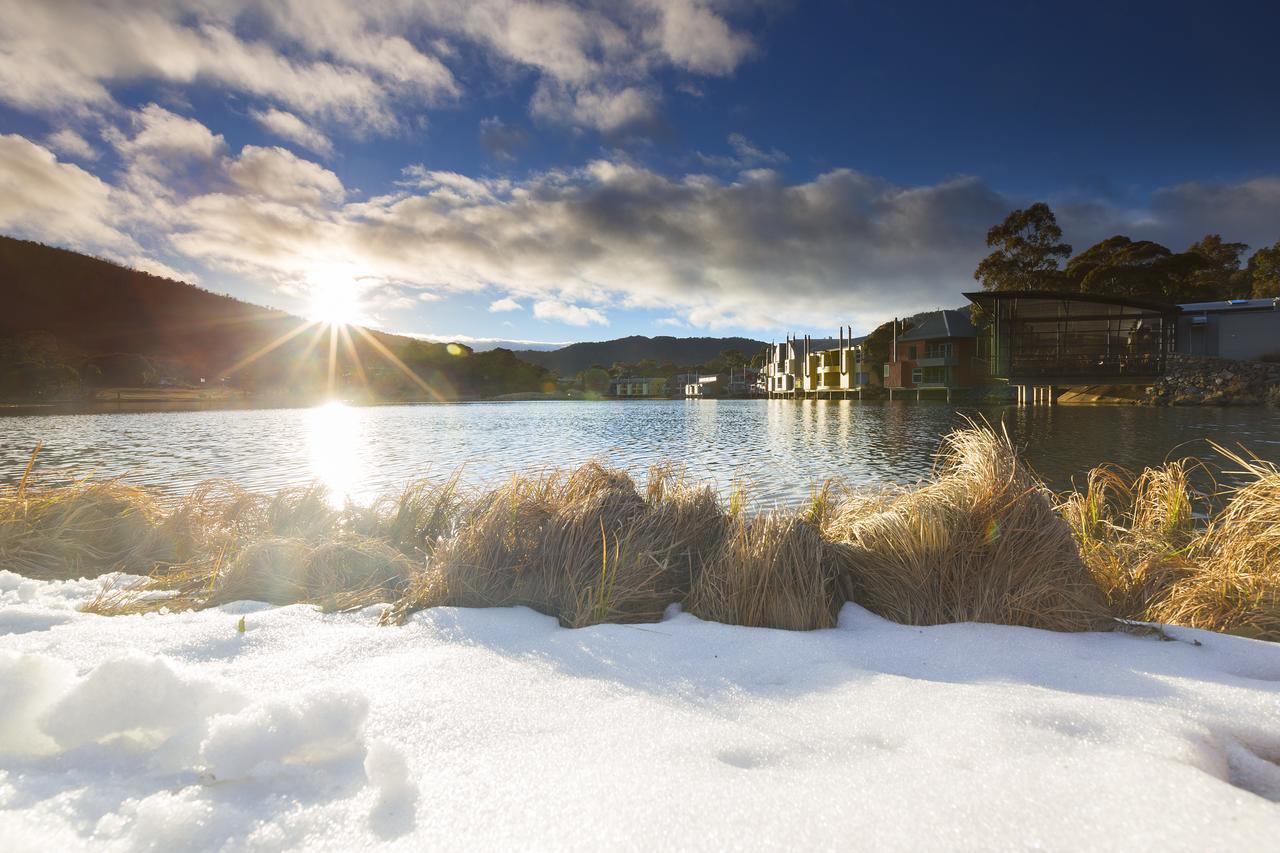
column 604, row 108
column 369, row 66
column 696, row 39
column 168, row 134
column 505, row 304
column 288, row 126
column 44, row 199
column 1247, row 211
column 564, row 312
column 155, row 267
column 746, row 155
column 67, row 141
column 280, row 175
column 68, row 56
column 501, row 141
column 755, row 251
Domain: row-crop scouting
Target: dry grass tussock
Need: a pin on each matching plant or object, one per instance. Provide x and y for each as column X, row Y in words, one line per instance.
column 83, row 529
column 584, row 546
column 1135, row 531
column 1234, row 582
column 771, row 570
column 981, row 540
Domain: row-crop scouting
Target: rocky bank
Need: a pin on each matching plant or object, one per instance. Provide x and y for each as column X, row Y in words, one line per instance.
column 1202, row 381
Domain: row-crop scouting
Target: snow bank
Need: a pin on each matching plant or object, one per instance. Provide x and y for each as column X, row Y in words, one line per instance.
column 497, row 728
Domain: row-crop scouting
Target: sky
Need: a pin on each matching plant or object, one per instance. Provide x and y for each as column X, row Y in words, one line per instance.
column 492, row 170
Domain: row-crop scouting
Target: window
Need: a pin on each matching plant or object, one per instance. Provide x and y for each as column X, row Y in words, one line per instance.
column 917, row 375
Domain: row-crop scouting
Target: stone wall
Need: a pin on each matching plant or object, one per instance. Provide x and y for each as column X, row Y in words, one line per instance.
column 1193, row 380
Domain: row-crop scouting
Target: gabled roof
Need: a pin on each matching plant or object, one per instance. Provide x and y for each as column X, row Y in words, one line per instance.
column 941, row 324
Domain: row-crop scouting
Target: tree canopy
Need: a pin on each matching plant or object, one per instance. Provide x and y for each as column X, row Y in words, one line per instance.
column 1028, row 250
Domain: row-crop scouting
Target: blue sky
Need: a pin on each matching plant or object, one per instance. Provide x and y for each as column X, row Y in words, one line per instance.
column 555, row 172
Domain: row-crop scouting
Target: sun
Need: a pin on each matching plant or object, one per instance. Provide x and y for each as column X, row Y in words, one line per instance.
column 335, row 302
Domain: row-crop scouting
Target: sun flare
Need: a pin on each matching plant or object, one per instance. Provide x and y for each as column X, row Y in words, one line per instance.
column 335, row 302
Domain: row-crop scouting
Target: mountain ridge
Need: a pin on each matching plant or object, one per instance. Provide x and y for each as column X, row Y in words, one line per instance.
column 683, row 352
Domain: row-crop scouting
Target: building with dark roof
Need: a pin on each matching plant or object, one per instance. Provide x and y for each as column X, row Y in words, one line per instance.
column 938, row 354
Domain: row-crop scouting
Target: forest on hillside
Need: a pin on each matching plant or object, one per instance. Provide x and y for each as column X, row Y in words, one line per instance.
column 74, row 324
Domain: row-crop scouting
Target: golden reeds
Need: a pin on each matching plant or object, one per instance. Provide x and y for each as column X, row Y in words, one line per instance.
column 981, row 540
column 1134, row 532
column 772, row 570
column 83, row 529
column 1235, row 583
column 980, row 543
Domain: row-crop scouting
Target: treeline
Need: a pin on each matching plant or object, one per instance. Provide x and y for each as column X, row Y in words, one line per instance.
column 656, row 353
column 1029, row 254
column 726, row 360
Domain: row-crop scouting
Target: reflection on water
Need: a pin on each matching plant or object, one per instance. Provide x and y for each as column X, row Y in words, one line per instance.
column 336, row 449
column 780, row 447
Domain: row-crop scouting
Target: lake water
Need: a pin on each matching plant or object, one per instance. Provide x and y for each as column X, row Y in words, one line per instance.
column 781, row 448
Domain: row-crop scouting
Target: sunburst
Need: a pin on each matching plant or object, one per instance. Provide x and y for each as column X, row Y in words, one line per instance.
column 337, row 307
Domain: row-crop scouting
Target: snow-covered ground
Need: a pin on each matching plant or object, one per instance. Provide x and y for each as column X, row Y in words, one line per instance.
column 499, row 729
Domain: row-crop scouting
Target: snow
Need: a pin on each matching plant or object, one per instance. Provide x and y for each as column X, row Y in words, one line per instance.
column 497, row 728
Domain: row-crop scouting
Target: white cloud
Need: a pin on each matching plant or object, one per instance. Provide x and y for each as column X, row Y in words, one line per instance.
column 288, row 126
column 505, row 304
column 168, row 134
column 280, row 175
column 369, row 65
column 160, row 268
column 67, row 141
column 44, row 199
column 568, row 313
column 601, row 107
column 697, row 39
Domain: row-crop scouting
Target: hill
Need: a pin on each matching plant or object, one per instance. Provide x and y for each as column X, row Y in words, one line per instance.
column 682, row 352
column 72, row 320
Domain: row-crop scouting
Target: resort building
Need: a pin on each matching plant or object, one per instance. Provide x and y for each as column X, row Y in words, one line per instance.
column 639, row 387
column 939, row 354
column 843, row 369
column 796, row 369
column 1239, row 328
column 1040, row 340
column 782, row 365
column 738, row 382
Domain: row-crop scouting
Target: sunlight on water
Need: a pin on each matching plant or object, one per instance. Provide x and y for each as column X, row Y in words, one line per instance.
column 335, row 445
column 781, row 448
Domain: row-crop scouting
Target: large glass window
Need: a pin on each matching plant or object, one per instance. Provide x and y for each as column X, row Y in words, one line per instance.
column 1047, row 337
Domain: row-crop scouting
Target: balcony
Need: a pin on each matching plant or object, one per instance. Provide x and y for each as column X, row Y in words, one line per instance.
column 938, row 361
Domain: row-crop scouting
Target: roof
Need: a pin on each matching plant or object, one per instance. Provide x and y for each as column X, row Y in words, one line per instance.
column 1232, row 305
column 986, row 297
column 941, row 324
